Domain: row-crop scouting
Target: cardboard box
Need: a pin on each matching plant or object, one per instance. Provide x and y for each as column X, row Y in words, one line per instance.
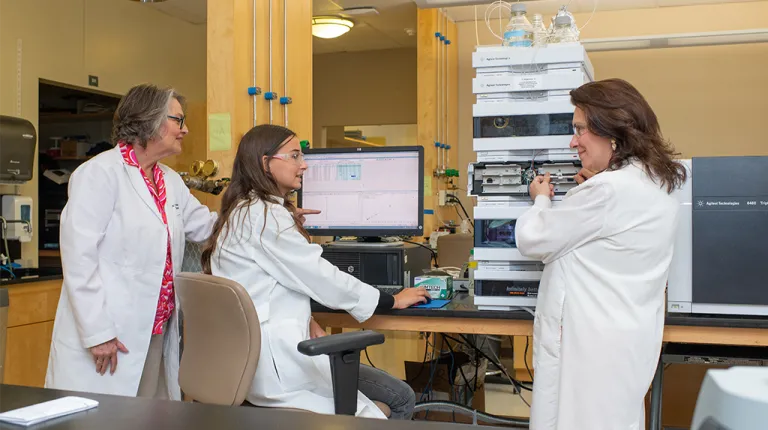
column 439, row 287
column 74, row 148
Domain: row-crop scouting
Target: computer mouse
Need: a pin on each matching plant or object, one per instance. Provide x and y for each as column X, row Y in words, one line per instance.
column 429, row 300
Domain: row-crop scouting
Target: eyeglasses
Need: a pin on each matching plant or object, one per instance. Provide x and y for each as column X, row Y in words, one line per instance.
column 179, row 119
column 579, row 131
column 296, row 157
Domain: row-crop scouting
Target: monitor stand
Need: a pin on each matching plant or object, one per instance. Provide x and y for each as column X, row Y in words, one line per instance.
column 373, row 242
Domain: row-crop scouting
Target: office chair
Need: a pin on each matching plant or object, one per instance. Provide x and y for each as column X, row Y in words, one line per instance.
column 222, row 343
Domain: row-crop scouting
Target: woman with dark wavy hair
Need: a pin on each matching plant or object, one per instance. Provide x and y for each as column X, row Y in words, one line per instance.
column 607, row 249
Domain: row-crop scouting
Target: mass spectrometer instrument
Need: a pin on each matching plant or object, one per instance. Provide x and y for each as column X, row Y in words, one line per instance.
column 718, row 265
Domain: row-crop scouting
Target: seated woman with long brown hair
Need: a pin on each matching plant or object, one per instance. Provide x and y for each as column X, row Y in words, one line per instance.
column 259, row 242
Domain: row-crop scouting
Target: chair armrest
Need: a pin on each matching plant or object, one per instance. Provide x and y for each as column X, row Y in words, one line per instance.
column 357, row 340
column 343, row 352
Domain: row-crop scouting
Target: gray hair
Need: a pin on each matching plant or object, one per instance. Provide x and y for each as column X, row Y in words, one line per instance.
column 141, row 113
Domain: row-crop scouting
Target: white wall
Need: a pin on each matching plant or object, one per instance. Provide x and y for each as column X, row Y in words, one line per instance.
column 710, row 101
column 124, row 43
column 365, row 87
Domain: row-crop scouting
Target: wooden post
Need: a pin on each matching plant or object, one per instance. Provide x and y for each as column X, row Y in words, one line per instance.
column 437, row 107
column 230, row 71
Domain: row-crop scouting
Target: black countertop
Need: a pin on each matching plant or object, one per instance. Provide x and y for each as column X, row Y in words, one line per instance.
column 729, row 321
column 23, row 276
column 130, row 413
column 462, row 306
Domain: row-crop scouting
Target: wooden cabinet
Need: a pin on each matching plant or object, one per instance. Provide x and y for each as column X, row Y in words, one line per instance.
column 33, row 302
column 30, row 328
column 26, row 354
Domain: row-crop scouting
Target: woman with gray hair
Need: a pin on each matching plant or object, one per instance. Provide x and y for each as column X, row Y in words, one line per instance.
column 123, row 232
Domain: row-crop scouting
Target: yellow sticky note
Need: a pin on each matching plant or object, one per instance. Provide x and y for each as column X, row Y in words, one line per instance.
column 219, row 132
column 427, row 186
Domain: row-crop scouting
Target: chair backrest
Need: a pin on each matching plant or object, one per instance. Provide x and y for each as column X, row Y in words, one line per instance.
column 222, row 339
column 453, row 249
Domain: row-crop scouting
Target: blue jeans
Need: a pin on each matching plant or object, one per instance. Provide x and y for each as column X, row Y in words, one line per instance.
column 379, row 385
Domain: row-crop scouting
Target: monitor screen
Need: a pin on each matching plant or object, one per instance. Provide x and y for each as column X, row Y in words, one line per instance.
column 364, row 192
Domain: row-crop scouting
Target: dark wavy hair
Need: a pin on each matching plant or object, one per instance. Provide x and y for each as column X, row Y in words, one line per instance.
column 616, row 110
column 251, row 182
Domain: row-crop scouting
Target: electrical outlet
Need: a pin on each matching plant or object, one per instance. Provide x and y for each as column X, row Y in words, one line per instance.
column 441, row 198
column 461, row 284
column 450, row 197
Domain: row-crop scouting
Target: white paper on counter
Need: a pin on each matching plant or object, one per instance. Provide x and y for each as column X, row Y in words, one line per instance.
column 34, row 414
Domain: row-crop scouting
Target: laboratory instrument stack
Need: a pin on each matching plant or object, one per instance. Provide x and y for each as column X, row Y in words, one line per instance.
column 522, row 128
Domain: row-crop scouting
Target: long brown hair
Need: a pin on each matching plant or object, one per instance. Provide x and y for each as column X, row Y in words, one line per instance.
column 616, row 110
column 251, row 182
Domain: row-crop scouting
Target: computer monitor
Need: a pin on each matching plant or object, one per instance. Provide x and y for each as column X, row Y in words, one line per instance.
column 364, row 192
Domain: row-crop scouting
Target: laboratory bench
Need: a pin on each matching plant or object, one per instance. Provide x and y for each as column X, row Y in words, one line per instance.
column 462, row 316
column 712, row 333
column 34, row 297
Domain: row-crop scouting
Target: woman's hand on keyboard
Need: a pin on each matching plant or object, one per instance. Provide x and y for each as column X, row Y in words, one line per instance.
column 409, row 297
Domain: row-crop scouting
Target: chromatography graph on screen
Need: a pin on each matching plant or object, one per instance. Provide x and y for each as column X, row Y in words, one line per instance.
column 362, row 190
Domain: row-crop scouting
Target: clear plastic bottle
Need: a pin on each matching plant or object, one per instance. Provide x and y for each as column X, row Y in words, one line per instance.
column 539, row 31
column 563, row 11
column 471, row 267
column 464, row 226
column 564, row 31
column 519, row 32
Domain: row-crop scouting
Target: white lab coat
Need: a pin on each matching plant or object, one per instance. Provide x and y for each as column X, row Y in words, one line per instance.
column 599, row 320
column 113, row 249
column 281, row 272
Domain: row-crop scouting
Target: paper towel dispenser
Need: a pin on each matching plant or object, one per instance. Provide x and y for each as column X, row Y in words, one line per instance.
column 18, row 139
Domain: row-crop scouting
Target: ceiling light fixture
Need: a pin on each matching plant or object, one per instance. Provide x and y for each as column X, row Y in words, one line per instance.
column 149, row 1
column 329, row 27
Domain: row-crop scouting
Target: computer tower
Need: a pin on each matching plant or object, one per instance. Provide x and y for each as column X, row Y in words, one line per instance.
column 382, row 266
